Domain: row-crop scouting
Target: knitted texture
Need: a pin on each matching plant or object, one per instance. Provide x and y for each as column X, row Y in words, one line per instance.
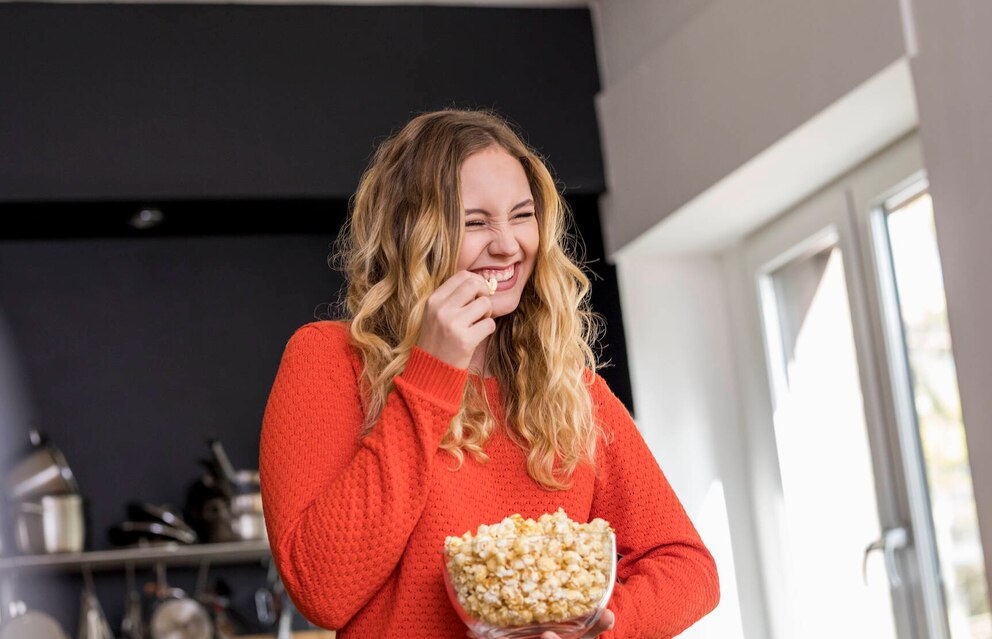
column 357, row 525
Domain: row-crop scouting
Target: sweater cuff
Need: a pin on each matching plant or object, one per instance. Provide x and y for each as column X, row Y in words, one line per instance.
column 435, row 378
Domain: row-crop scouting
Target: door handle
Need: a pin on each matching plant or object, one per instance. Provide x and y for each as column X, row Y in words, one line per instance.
column 891, row 540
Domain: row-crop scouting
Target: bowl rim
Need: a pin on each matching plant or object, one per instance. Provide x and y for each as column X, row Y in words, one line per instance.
column 596, row 533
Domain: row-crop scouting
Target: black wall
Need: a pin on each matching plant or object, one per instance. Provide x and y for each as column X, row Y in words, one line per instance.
column 248, row 126
column 136, row 101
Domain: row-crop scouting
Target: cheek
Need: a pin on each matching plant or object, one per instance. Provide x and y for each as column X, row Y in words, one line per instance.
column 468, row 253
column 533, row 243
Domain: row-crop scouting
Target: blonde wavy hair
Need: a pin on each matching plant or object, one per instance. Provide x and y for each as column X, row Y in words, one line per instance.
column 401, row 242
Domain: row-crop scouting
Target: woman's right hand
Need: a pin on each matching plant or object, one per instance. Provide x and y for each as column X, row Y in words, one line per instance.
column 457, row 319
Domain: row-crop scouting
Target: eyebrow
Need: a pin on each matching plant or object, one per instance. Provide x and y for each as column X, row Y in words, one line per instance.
column 485, row 212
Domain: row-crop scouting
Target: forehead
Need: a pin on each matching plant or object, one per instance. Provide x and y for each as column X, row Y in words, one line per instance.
column 493, row 177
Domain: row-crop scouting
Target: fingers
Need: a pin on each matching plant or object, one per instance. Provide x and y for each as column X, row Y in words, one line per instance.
column 482, row 328
column 461, row 288
column 607, row 619
column 478, row 309
column 604, row 623
column 457, row 319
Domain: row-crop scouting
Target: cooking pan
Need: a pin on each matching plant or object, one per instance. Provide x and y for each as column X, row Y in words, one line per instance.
column 176, row 615
column 145, row 512
column 32, row 624
column 130, row 533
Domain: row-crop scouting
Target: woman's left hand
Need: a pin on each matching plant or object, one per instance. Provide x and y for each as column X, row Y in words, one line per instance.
column 604, row 623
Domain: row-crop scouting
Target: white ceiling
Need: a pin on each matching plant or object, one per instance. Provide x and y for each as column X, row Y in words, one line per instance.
column 559, row 4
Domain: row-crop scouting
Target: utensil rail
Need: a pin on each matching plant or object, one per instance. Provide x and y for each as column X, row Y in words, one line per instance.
column 171, row 554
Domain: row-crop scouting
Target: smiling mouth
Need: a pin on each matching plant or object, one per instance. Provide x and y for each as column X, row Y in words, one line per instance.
column 500, row 276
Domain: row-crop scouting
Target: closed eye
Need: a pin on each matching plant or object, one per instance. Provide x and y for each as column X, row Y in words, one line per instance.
column 478, row 223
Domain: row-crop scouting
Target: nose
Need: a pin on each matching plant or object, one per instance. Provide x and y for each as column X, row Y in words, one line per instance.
column 505, row 241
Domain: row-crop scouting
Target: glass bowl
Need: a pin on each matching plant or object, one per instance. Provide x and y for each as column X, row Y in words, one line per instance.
column 463, row 577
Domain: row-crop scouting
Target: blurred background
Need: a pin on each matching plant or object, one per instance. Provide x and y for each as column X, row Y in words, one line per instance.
column 784, row 208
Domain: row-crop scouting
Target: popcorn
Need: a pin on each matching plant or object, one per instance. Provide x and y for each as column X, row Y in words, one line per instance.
column 511, row 574
column 492, row 284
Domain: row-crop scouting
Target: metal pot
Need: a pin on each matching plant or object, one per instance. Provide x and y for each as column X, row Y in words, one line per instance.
column 31, row 624
column 248, row 526
column 177, row 616
column 247, row 520
column 180, row 617
column 43, row 471
column 53, row 525
column 245, row 481
column 237, row 519
column 246, row 503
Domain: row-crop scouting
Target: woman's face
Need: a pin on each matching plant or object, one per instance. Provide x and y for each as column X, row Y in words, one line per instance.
column 501, row 231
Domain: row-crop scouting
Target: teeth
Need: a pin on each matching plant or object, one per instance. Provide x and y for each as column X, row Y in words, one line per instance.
column 501, row 276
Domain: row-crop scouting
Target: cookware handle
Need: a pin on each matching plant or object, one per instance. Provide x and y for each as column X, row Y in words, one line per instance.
column 265, row 606
column 223, row 461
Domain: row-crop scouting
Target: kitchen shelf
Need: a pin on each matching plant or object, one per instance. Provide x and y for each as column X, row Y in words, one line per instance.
column 170, row 555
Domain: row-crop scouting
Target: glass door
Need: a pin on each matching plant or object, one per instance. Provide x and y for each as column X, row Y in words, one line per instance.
column 894, row 213
column 841, row 527
column 838, row 496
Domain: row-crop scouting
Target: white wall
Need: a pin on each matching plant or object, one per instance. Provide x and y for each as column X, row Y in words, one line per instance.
column 723, row 92
column 630, row 29
column 700, row 93
column 677, row 326
column 954, row 92
column 692, row 91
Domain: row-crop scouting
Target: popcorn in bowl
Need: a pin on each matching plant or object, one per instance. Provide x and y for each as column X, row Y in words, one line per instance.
column 521, row 577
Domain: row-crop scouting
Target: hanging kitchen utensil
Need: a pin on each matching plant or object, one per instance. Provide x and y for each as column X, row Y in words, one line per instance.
column 92, row 621
column 219, row 604
column 285, row 630
column 180, row 618
column 177, row 616
column 265, row 606
column 284, row 604
column 32, row 624
column 133, row 622
column 21, row 623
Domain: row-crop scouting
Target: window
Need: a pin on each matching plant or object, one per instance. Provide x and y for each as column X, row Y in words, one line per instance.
column 922, row 309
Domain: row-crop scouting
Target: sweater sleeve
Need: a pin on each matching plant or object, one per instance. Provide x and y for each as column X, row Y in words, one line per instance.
column 338, row 508
column 666, row 579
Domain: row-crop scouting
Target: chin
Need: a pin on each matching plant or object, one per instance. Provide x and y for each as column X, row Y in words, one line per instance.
column 503, row 310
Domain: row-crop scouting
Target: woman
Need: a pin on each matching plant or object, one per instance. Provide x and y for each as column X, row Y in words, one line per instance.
column 364, row 437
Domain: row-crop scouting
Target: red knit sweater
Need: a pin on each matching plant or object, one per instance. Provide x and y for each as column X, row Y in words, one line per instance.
column 357, row 525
